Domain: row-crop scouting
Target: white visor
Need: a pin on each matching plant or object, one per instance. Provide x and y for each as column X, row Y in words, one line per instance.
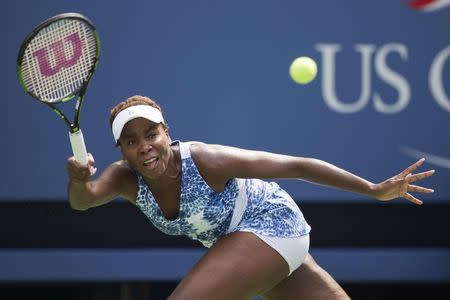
column 137, row 111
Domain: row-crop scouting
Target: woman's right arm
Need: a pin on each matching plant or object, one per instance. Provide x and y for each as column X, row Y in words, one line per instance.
column 116, row 181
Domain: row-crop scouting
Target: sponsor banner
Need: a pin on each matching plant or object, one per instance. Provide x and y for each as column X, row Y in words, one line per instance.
column 380, row 101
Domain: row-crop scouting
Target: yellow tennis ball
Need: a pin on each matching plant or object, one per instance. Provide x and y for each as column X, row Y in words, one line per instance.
column 303, row 70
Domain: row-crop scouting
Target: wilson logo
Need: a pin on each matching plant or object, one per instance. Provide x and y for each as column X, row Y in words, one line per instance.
column 61, row 59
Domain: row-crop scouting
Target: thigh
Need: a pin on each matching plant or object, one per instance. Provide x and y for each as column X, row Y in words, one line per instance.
column 309, row 281
column 238, row 266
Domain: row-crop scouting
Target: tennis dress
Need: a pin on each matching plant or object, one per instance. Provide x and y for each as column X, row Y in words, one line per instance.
column 250, row 205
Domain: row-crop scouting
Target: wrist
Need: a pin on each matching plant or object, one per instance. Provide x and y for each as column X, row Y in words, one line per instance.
column 76, row 180
column 372, row 190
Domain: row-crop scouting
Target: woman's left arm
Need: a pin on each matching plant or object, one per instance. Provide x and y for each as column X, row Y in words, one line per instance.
column 232, row 162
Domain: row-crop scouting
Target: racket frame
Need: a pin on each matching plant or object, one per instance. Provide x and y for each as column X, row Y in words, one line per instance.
column 75, row 134
column 73, row 126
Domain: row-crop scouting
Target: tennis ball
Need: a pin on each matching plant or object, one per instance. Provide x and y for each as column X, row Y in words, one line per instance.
column 303, row 70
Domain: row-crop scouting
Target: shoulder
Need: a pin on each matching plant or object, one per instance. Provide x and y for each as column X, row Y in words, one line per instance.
column 215, row 152
column 198, row 148
column 202, row 151
column 211, row 161
column 211, row 156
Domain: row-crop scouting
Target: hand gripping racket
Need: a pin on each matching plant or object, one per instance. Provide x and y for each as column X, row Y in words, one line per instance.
column 56, row 62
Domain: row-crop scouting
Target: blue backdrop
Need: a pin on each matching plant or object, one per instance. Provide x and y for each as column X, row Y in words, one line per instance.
column 220, row 71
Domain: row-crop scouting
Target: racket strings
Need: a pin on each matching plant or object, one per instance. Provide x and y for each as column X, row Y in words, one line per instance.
column 59, row 59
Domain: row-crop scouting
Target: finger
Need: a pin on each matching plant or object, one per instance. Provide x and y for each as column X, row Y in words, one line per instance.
column 416, row 188
column 71, row 161
column 412, row 199
column 419, row 176
column 73, row 166
column 413, row 167
column 91, row 159
column 92, row 171
column 76, row 164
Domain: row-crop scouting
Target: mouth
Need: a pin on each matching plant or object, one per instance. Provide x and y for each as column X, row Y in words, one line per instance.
column 151, row 162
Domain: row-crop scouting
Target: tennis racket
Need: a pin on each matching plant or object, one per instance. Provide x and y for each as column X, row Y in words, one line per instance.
column 55, row 63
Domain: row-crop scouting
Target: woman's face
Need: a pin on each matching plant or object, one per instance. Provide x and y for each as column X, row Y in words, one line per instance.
column 146, row 147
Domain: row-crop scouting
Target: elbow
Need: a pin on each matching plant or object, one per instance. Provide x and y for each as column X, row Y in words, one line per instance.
column 78, row 205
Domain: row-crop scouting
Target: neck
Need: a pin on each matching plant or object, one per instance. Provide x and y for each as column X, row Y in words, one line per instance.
column 174, row 166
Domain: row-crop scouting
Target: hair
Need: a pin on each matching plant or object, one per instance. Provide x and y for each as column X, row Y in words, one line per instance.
column 131, row 101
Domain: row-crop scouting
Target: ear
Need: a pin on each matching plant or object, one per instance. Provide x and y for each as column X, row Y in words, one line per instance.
column 166, row 131
column 122, row 157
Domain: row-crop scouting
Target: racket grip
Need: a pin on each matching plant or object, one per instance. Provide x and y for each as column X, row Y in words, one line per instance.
column 78, row 146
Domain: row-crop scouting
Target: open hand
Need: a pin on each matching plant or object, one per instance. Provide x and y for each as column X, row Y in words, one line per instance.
column 400, row 185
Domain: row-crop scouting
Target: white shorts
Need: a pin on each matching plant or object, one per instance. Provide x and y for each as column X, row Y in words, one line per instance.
column 292, row 249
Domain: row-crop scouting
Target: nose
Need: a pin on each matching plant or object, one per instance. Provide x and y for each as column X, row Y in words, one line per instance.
column 145, row 147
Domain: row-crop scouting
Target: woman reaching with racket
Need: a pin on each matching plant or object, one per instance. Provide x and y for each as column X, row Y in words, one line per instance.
column 257, row 237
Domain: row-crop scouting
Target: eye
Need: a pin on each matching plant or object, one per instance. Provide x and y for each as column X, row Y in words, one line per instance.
column 130, row 142
column 151, row 135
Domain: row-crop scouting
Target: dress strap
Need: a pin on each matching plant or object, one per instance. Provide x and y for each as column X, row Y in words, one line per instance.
column 184, row 150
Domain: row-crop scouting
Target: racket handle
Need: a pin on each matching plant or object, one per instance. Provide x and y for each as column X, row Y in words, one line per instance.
column 78, row 146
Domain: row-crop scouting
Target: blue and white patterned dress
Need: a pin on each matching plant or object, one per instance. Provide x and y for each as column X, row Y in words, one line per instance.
column 250, row 205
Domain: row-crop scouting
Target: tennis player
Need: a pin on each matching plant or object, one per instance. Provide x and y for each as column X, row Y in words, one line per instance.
column 257, row 237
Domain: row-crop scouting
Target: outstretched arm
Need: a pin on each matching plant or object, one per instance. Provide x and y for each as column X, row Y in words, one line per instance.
column 219, row 163
column 85, row 193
